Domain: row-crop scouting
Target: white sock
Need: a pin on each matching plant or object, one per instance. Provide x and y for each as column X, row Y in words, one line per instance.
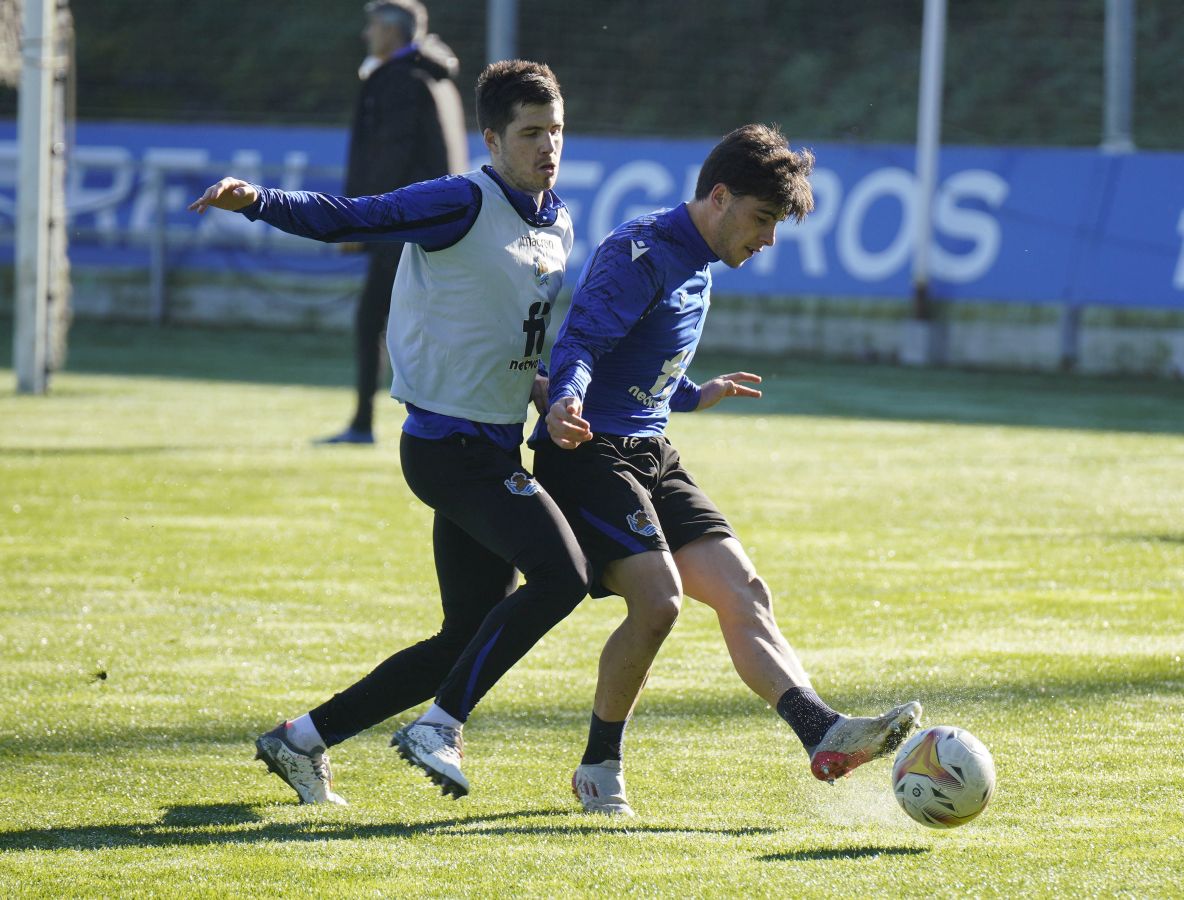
column 437, row 716
column 303, row 734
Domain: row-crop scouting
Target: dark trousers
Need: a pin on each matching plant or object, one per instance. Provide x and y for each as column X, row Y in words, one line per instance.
column 488, row 526
column 374, row 306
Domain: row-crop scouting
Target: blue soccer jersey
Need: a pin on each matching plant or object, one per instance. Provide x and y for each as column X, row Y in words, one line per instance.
column 636, row 317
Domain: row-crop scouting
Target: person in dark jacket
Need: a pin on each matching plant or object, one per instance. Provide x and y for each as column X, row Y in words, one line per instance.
column 408, row 127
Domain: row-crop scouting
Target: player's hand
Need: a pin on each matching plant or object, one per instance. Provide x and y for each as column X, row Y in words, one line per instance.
column 564, row 424
column 716, row 389
column 229, row 193
column 538, row 393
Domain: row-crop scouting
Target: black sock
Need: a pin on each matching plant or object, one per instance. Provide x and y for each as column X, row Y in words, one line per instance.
column 807, row 715
column 604, row 741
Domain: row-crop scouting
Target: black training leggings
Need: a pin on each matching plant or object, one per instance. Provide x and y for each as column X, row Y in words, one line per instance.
column 490, row 521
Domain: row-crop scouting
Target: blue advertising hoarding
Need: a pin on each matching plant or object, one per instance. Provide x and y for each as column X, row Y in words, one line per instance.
column 1030, row 225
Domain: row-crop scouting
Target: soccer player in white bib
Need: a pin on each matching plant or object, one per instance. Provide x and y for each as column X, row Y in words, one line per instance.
column 483, row 261
column 618, row 369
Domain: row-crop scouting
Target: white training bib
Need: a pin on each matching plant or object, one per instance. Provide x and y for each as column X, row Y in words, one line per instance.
column 467, row 323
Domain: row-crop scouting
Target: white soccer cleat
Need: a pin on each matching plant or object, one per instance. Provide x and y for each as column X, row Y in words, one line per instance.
column 601, row 788
column 438, row 750
column 308, row 774
column 852, row 741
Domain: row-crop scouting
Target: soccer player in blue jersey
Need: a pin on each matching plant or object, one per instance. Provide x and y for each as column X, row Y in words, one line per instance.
column 484, row 260
column 618, row 369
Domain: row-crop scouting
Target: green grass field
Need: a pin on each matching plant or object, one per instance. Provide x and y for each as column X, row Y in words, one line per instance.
column 179, row 568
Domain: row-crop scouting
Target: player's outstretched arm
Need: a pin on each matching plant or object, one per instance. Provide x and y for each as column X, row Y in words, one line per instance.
column 229, row 193
column 564, row 424
column 716, row 389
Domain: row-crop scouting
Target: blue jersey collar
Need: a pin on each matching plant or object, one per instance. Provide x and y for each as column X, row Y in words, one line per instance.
column 697, row 250
column 542, row 216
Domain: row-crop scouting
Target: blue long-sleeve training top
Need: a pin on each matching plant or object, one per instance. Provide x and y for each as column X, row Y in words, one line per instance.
column 635, row 321
column 435, row 215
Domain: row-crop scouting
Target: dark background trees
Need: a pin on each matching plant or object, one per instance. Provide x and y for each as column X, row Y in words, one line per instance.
column 1017, row 73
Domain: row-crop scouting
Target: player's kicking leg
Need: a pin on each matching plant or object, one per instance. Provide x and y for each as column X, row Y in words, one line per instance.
column 853, row 740
column 716, row 571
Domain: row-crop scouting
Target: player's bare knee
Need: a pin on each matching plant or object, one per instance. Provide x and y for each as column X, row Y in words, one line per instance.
column 655, row 614
column 666, row 613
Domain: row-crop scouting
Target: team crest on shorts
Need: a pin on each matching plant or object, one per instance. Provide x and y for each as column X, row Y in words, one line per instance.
column 641, row 523
column 521, row 485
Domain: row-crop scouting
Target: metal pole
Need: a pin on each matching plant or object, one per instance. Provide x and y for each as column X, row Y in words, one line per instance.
column 1120, row 76
column 34, row 125
column 933, row 38
column 501, row 30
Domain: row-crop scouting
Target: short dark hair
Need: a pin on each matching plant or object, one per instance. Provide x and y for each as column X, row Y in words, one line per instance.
column 409, row 16
column 756, row 160
column 505, row 84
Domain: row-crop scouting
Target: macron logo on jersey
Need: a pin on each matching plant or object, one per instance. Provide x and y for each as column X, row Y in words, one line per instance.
column 637, row 249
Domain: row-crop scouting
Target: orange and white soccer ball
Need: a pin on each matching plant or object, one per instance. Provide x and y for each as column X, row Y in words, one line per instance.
column 943, row 776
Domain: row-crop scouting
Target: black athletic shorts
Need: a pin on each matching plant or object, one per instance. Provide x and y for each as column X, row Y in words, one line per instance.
column 626, row 495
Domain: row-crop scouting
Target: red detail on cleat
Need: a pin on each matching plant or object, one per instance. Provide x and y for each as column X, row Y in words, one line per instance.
column 827, row 765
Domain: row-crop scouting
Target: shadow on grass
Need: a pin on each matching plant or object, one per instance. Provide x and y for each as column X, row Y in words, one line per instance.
column 205, row 814
column 1149, row 538
column 196, row 825
column 844, row 853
